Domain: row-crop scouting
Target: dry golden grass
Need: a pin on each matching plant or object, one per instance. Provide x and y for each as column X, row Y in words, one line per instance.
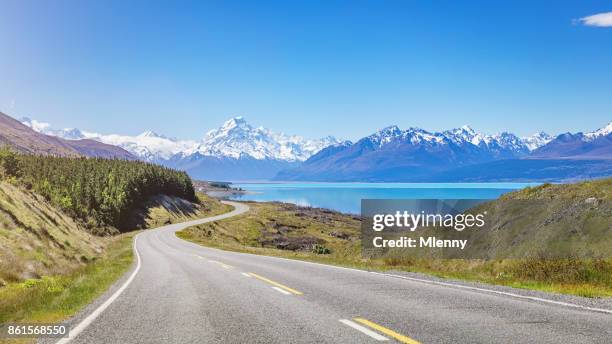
column 249, row 233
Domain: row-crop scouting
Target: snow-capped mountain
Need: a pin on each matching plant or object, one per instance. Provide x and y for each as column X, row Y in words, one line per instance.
column 235, row 150
column 605, row 131
column 147, row 146
column 592, row 145
column 393, row 154
column 504, row 141
column 236, row 138
column 239, row 151
column 537, row 140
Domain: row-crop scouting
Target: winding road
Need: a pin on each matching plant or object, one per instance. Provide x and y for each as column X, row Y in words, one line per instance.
column 180, row 292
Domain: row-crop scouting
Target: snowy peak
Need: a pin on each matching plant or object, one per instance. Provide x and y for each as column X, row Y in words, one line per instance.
column 385, row 135
column 237, row 138
column 508, row 142
column 607, row 130
column 150, row 133
column 537, row 140
column 418, row 136
column 45, row 128
column 236, row 122
column 462, row 137
column 147, row 146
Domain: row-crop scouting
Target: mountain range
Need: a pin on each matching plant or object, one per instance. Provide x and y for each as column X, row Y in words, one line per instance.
column 25, row 140
column 239, row 151
column 392, row 154
column 234, row 151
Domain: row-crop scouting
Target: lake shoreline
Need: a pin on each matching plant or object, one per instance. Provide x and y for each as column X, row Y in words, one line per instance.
column 346, row 197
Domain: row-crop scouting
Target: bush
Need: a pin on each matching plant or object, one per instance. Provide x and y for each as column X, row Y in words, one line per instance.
column 9, row 163
column 320, row 249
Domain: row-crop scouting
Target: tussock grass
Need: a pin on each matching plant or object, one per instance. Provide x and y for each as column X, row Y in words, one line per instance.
column 51, row 267
column 55, row 298
column 341, row 233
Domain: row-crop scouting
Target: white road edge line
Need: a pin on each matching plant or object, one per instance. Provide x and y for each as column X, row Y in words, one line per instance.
column 451, row 285
column 91, row 317
column 281, row 290
column 245, row 274
column 363, row 330
column 518, row 296
column 456, row 286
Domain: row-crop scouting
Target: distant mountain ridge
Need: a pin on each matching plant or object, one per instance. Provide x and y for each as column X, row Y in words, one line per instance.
column 25, row 139
column 238, row 151
column 593, row 145
column 235, row 150
column 414, row 154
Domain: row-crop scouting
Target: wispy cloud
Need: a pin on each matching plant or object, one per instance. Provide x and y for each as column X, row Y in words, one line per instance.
column 599, row 20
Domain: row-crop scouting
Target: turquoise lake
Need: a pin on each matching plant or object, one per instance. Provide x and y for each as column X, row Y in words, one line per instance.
column 346, row 197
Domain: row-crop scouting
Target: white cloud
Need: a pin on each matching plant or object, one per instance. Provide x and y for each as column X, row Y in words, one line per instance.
column 38, row 126
column 599, row 20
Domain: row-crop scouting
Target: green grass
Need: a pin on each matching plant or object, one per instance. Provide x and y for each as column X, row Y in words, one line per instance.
column 55, row 298
column 245, row 233
column 166, row 210
column 36, row 239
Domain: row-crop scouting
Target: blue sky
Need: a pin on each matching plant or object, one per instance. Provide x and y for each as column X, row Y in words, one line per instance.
column 307, row 67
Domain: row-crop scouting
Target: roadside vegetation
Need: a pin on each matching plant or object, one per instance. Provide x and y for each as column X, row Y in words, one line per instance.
column 99, row 192
column 51, row 299
column 329, row 237
column 54, row 298
column 67, row 225
column 39, row 295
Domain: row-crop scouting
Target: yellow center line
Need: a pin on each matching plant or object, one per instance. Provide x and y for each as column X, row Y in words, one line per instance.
column 293, row 291
column 388, row 332
column 227, row 266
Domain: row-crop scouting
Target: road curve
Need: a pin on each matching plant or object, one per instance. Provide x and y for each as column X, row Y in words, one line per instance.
column 185, row 293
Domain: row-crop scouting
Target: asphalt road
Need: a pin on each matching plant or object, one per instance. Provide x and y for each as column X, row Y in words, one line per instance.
column 185, row 293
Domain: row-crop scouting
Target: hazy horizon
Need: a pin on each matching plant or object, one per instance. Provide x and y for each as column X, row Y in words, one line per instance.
column 47, row 125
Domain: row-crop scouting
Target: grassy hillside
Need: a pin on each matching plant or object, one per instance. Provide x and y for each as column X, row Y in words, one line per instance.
column 282, row 228
column 60, row 224
column 99, row 192
column 37, row 239
column 549, row 221
column 53, row 298
column 51, row 265
column 333, row 238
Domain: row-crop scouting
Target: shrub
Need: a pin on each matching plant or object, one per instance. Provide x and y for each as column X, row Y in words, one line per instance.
column 9, row 163
column 320, row 249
